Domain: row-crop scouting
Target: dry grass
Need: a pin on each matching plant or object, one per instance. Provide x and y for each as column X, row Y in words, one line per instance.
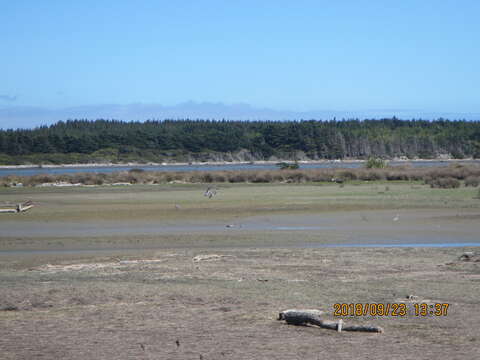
column 171, row 307
column 469, row 173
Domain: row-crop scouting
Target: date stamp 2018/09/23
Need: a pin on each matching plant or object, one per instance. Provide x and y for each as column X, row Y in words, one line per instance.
column 390, row 309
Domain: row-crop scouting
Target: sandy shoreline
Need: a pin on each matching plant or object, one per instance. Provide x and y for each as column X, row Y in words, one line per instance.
column 220, row 163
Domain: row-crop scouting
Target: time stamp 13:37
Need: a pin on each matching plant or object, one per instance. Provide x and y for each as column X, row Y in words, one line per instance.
column 390, row 309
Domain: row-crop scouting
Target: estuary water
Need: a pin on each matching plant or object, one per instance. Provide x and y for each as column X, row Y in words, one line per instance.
column 27, row 171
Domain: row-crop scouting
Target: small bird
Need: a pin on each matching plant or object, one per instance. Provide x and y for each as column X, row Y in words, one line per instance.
column 210, row 192
column 177, row 342
column 397, row 217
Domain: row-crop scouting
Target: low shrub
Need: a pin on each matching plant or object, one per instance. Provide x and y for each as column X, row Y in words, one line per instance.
column 472, row 181
column 206, row 177
column 43, row 178
column 371, row 175
column 295, row 176
column 237, row 177
column 322, row 175
column 443, row 183
column 375, row 163
column 397, row 175
column 277, row 176
column 219, row 176
column 347, row 175
column 261, row 177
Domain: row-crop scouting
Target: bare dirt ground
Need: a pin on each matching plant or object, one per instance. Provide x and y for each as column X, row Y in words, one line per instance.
column 192, row 304
column 216, row 293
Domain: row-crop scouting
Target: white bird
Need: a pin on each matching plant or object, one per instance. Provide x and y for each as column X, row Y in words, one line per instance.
column 397, row 217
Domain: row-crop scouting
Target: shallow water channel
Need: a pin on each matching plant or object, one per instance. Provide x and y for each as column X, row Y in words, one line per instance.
column 339, row 229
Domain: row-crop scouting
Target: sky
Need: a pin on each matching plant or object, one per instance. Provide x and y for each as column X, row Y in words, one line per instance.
column 367, row 58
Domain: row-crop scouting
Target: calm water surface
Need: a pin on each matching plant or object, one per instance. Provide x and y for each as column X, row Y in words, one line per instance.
column 222, row 167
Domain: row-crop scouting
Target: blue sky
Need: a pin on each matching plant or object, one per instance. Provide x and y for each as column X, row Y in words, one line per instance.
column 410, row 57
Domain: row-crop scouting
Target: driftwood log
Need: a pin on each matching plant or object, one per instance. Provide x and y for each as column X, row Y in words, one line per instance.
column 307, row 317
column 14, row 209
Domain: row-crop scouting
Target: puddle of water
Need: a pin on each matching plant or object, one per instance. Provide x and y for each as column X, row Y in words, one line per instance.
column 299, row 228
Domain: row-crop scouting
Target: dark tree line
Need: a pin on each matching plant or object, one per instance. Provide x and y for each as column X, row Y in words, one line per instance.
column 386, row 138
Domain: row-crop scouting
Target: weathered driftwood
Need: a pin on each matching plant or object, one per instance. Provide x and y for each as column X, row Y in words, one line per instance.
column 21, row 207
column 8, row 211
column 306, row 317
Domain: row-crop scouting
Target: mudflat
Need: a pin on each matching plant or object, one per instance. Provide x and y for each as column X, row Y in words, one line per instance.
column 163, row 272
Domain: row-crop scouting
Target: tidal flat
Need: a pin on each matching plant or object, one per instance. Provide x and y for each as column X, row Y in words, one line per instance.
column 163, row 272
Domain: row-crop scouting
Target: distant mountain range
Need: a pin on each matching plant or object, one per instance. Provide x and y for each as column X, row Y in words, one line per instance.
column 30, row 116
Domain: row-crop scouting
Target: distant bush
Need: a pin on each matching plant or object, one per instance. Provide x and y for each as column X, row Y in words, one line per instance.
column 237, row 177
column 277, row 176
column 85, row 178
column 296, row 176
column 398, row 175
column 261, row 177
column 41, row 179
column 444, row 183
column 375, row 163
column 472, row 181
column 347, row 175
column 206, row 177
column 439, row 177
column 219, row 176
column 372, row 174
